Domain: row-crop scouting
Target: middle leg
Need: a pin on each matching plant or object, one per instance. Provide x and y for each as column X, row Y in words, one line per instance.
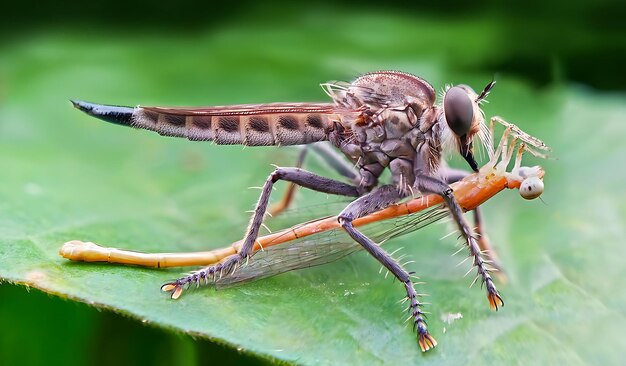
column 230, row 263
column 371, row 202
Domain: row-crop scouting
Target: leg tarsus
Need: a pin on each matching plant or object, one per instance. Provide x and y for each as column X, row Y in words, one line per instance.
column 433, row 185
column 452, row 175
column 425, row 340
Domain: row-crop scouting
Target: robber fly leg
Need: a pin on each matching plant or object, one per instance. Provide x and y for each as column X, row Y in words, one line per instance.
column 374, row 201
column 331, row 157
column 452, row 175
column 336, row 161
column 230, row 263
column 280, row 206
column 429, row 184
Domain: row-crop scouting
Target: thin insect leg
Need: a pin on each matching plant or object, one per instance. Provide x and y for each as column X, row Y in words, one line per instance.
column 330, row 156
column 454, row 175
column 518, row 157
column 335, row 161
column 503, row 140
column 295, row 175
column 491, row 138
column 507, row 153
column 379, row 198
column 433, row 185
column 280, row 206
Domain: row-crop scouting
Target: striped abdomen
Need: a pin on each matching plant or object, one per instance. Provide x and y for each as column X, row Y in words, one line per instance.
column 254, row 125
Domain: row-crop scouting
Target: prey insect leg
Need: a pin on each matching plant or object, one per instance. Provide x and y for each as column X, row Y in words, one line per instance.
column 432, row 185
column 376, row 200
column 230, row 263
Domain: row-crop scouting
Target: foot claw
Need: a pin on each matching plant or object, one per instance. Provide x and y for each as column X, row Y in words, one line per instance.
column 426, row 341
column 173, row 287
column 495, row 301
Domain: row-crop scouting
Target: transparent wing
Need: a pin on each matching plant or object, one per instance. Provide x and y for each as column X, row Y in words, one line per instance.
column 300, row 215
column 325, row 247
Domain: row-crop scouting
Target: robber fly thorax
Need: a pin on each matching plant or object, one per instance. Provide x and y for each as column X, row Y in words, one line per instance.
column 399, row 126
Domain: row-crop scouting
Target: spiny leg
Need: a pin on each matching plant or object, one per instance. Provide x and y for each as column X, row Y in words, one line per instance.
column 432, row 185
column 331, row 157
column 280, row 206
column 376, row 200
column 452, row 175
column 230, row 263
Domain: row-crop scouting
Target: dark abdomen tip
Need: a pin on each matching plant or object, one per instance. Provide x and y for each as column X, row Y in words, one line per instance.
column 110, row 113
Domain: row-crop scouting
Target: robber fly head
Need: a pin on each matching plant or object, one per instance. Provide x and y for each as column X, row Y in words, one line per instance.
column 462, row 113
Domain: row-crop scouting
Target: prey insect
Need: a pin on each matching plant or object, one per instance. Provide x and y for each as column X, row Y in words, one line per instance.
column 382, row 120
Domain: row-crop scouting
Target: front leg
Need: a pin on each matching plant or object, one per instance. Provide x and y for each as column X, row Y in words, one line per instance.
column 230, row 263
column 374, row 201
column 452, row 175
column 429, row 184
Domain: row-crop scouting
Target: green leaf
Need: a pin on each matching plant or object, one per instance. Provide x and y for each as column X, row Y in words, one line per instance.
column 71, row 177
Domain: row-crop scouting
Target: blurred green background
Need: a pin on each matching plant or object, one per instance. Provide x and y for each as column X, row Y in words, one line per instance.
column 560, row 75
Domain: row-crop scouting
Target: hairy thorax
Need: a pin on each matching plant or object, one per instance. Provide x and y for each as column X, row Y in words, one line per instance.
column 393, row 126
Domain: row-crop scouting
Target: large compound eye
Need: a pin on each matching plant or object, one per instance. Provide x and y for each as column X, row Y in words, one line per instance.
column 459, row 110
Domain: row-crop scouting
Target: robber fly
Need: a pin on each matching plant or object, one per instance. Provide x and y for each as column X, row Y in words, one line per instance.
column 384, row 119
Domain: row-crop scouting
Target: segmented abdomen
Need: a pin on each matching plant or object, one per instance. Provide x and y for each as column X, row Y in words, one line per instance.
column 253, row 125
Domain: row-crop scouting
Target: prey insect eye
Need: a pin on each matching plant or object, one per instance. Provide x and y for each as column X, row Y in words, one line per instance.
column 459, row 110
column 531, row 188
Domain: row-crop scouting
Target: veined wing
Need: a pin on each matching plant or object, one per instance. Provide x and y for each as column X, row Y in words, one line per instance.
column 325, row 247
